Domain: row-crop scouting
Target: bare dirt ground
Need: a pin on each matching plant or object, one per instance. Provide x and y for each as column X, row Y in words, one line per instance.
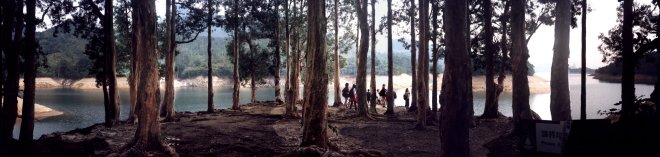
column 260, row 130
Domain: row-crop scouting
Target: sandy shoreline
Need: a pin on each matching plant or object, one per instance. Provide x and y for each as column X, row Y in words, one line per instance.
column 536, row 84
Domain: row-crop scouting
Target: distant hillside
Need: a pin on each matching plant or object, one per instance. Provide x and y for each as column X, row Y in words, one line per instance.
column 578, row 70
column 646, row 70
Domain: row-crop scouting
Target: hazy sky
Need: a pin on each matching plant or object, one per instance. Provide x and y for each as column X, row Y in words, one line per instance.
column 600, row 20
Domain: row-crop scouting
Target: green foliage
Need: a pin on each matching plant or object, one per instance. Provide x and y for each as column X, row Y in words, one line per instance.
column 644, row 23
column 258, row 63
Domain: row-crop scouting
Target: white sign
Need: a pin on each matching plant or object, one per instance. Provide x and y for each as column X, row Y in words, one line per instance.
column 549, row 137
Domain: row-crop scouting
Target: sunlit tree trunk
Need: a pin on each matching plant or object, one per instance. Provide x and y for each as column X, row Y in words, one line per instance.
column 337, row 69
column 315, row 121
column 456, row 115
column 560, row 98
column 361, row 80
column 520, row 102
column 491, row 107
column 10, row 108
column 147, row 135
column 168, row 102
column 413, row 57
column 422, row 69
column 237, row 81
column 111, row 60
column 27, row 119
column 372, row 108
column 389, row 56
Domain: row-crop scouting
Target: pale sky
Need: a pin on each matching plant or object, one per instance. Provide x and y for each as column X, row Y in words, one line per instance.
column 600, row 20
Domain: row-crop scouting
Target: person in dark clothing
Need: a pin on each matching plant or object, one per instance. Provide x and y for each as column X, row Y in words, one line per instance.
column 344, row 93
column 351, row 98
column 406, row 96
column 368, row 97
column 383, row 95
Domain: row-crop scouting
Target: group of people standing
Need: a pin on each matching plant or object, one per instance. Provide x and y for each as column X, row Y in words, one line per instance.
column 351, row 98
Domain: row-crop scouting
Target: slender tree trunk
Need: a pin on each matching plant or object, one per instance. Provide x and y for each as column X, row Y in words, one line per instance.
column 237, row 81
column 628, row 77
column 278, row 60
column 147, row 135
column 133, row 81
column 583, row 78
column 456, row 116
column 168, row 104
column 389, row 54
column 560, row 98
column 110, row 64
column 209, row 54
column 520, row 102
column 253, row 87
column 491, row 107
column 315, row 121
column 10, row 108
column 361, row 7
column 27, row 123
column 655, row 95
column 337, row 69
column 413, row 57
column 372, row 108
column 422, row 69
column 290, row 96
column 435, row 51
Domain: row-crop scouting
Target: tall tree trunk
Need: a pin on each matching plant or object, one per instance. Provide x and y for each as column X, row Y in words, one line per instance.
column 560, row 98
column 361, row 80
column 520, row 102
column 237, row 81
column 290, row 96
column 315, row 121
column 278, row 60
column 372, row 108
column 456, row 116
column 337, row 69
column 628, row 77
column 110, row 64
column 422, row 69
column 389, row 54
column 209, row 54
column 133, row 81
column 10, row 108
column 655, row 95
column 491, row 107
column 27, row 123
column 583, row 78
column 253, row 51
column 168, row 103
column 413, row 57
column 435, row 51
column 147, row 135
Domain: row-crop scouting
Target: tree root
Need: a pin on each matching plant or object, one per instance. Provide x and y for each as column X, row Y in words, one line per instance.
column 135, row 149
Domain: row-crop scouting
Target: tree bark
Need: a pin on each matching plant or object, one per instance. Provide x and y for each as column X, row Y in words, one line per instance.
column 147, row 135
column 278, row 60
column 583, row 78
column 10, row 108
column 237, row 81
column 315, row 117
column 413, row 58
column 655, row 95
column 168, row 102
column 389, row 56
column 456, row 115
column 209, row 96
column 27, row 123
column 435, row 51
column 560, row 98
column 422, row 69
column 337, row 69
column 628, row 77
column 110, row 64
column 361, row 7
column 372, row 108
column 134, row 80
column 491, row 107
column 520, row 102
column 291, row 109
column 253, row 53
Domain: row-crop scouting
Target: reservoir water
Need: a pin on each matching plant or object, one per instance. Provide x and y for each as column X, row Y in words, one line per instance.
column 84, row 107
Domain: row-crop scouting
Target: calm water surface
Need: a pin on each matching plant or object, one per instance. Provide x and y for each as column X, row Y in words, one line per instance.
column 83, row 108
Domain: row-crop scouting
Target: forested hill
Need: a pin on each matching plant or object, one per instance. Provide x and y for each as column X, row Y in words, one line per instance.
column 647, row 65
